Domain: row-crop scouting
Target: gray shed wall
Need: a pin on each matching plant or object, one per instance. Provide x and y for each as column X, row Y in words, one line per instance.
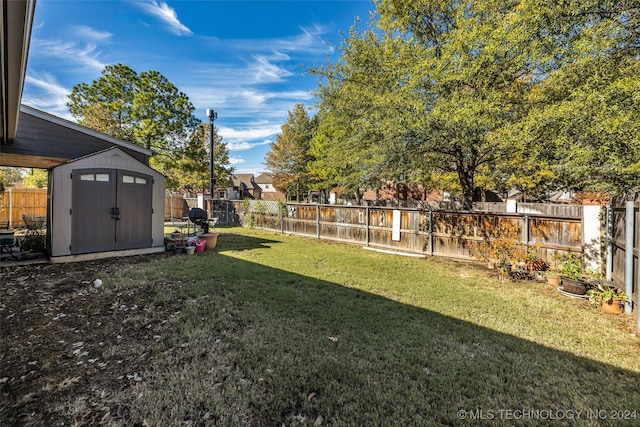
column 60, row 196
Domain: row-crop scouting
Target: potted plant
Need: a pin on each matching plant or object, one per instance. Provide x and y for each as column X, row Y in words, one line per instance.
column 506, row 251
column 553, row 277
column 571, row 275
column 534, row 265
column 609, row 298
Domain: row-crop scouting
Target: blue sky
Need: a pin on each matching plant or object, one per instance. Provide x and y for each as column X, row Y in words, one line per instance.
column 244, row 59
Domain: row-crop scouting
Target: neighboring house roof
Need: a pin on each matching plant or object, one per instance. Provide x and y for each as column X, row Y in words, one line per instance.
column 247, row 180
column 44, row 141
column 561, row 196
column 264, row 178
column 488, row 196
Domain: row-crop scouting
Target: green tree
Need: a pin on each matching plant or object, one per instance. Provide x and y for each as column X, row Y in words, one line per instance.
column 585, row 117
column 9, row 176
column 36, row 178
column 191, row 170
column 528, row 95
column 145, row 108
column 290, row 154
column 427, row 86
column 106, row 104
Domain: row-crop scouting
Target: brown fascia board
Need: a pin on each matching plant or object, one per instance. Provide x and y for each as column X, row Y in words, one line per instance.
column 17, row 18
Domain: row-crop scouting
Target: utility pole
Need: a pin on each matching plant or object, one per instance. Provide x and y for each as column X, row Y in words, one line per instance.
column 212, row 180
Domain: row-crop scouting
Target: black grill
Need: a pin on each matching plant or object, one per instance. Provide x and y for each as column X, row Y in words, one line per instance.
column 199, row 217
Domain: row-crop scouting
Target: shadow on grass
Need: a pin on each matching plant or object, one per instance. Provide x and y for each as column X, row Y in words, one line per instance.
column 270, row 347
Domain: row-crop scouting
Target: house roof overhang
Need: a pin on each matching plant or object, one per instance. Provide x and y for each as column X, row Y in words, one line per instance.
column 30, row 137
column 16, row 17
column 44, row 141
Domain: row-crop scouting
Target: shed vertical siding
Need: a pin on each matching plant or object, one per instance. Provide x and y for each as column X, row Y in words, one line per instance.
column 61, row 196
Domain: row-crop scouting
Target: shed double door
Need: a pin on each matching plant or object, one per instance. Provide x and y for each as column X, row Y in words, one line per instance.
column 111, row 210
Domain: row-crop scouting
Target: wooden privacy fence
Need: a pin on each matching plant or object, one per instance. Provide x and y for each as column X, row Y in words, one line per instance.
column 438, row 233
column 581, row 230
column 623, row 249
column 16, row 202
column 175, row 206
column 554, row 209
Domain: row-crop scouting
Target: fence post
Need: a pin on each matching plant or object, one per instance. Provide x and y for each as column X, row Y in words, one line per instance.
column 431, row 231
column 10, row 208
column 526, row 229
column 318, row 222
column 592, row 237
column 366, row 225
column 628, row 252
column 609, row 267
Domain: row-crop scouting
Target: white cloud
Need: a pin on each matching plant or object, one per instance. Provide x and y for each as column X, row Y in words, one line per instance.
column 46, row 94
column 166, row 14
column 264, row 70
column 251, row 131
column 67, row 51
column 250, row 168
column 236, row 161
column 308, row 42
column 241, row 145
column 87, row 32
column 241, row 99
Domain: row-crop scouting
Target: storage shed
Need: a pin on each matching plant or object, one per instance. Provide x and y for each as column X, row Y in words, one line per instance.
column 102, row 205
column 103, row 198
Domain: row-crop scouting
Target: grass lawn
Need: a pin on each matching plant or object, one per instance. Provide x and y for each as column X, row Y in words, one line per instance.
column 271, row 330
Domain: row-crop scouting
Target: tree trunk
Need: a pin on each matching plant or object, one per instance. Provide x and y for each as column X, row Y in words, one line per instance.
column 466, row 177
column 358, row 197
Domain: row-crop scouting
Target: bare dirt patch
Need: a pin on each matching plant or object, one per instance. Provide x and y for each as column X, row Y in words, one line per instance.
column 68, row 346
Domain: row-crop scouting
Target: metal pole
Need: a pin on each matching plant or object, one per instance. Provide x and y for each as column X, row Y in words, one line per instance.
column 212, row 180
column 628, row 253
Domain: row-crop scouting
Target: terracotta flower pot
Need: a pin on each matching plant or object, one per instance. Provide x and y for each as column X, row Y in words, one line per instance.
column 613, row 306
column 211, row 240
column 553, row 279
